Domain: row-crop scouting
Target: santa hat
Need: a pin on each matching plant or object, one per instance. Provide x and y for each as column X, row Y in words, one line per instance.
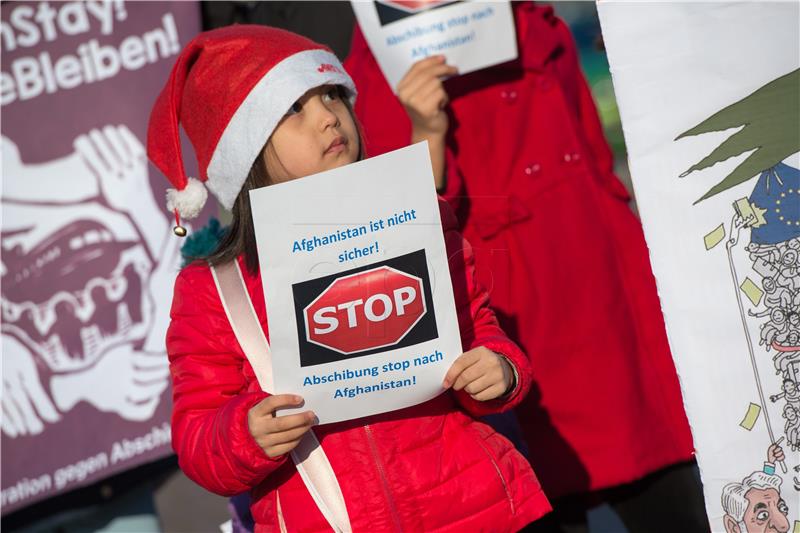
column 229, row 89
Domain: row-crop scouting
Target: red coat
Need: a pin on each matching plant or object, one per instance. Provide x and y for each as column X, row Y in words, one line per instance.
column 431, row 467
column 530, row 174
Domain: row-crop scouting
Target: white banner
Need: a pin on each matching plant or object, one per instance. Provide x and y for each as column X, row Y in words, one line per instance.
column 357, row 285
column 472, row 35
column 708, row 95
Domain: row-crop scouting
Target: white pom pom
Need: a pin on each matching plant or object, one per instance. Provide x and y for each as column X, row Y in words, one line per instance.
column 189, row 201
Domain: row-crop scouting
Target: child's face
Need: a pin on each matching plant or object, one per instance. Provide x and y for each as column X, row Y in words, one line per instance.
column 318, row 133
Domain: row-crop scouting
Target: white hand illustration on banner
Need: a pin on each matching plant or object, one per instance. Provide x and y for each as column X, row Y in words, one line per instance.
column 81, row 276
column 134, row 395
column 25, row 402
column 119, row 161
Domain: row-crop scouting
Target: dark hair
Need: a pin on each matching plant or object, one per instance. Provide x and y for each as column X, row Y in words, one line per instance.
column 240, row 236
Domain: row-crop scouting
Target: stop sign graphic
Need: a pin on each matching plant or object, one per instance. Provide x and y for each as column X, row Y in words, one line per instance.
column 365, row 310
column 371, row 309
column 393, row 10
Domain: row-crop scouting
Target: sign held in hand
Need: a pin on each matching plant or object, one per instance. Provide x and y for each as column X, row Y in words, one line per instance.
column 471, row 34
column 357, row 286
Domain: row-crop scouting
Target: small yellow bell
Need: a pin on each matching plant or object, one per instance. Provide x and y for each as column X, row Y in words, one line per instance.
column 180, row 231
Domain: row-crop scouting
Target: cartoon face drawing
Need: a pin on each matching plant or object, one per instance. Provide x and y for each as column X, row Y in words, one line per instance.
column 86, row 262
column 755, row 505
column 766, row 511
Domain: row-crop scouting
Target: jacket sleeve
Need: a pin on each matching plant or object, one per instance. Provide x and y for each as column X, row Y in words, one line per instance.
column 477, row 321
column 210, row 402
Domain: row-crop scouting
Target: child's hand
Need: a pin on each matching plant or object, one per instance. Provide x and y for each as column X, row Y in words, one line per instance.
column 422, row 94
column 484, row 374
column 278, row 435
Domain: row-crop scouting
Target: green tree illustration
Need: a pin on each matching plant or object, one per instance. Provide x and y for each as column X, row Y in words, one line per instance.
column 771, row 120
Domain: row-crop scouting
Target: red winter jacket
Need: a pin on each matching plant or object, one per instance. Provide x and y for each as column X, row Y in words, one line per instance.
column 531, row 176
column 428, row 468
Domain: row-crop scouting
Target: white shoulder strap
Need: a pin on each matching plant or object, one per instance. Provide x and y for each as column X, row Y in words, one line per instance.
column 309, row 457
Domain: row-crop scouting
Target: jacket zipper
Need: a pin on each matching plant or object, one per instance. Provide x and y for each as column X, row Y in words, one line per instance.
column 382, row 474
column 499, row 474
column 279, row 513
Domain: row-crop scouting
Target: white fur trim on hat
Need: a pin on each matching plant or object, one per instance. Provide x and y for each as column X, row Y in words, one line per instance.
column 259, row 114
column 189, row 201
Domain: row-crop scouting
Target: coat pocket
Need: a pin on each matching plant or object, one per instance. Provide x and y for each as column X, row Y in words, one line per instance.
column 481, row 443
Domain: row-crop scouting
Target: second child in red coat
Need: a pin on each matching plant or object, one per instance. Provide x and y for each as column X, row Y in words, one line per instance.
column 519, row 152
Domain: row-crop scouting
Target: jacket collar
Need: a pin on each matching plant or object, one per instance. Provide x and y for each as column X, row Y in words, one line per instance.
column 538, row 38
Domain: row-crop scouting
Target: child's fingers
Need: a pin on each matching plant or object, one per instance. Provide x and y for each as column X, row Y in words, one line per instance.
column 463, row 361
column 268, row 405
column 415, row 78
column 414, row 84
column 495, row 391
column 471, row 374
column 421, row 65
column 285, row 437
column 430, row 94
column 282, row 449
column 290, row 422
column 481, row 383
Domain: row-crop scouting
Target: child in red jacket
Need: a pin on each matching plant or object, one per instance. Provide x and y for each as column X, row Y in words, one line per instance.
column 263, row 106
column 519, row 152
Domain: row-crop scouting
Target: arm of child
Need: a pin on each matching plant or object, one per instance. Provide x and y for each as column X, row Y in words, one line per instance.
column 385, row 122
column 423, row 96
column 480, row 333
column 211, row 402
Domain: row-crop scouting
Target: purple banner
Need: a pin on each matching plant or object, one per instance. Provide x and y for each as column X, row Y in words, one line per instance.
column 88, row 255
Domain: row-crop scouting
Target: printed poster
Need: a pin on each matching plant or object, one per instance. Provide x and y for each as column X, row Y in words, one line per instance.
column 353, row 262
column 471, row 34
column 88, row 255
column 709, row 95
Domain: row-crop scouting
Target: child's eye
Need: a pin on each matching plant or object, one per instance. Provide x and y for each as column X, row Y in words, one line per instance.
column 332, row 94
column 296, row 108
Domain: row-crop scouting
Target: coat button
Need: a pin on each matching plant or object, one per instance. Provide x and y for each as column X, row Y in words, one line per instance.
column 572, row 157
column 508, row 97
column 530, row 170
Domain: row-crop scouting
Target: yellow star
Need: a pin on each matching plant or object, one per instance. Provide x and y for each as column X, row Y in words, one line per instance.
column 781, row 218
column 759, row 213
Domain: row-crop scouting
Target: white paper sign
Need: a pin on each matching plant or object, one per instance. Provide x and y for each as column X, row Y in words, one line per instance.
column 708, row 96
column 472, row 35
column 359, row 300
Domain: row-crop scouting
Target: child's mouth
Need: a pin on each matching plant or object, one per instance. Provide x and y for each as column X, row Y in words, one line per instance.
column 338, row 145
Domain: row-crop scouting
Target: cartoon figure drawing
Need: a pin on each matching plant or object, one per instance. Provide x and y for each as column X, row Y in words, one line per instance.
column 96, row 334
column 769, row 128
column 755, row 505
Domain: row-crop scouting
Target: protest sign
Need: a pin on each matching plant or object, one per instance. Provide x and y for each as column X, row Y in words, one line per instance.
column 357, row 286
column 472, row 35
column 708, row 96
column 89, row 258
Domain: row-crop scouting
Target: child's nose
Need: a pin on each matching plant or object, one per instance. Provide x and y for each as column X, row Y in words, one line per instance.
column 326, row 118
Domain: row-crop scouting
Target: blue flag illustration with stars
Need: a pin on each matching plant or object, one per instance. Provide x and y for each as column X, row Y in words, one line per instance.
column 778, row 192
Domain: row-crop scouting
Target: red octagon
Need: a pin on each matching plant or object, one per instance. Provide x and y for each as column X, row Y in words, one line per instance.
column 364, row 311
column 415, row 5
